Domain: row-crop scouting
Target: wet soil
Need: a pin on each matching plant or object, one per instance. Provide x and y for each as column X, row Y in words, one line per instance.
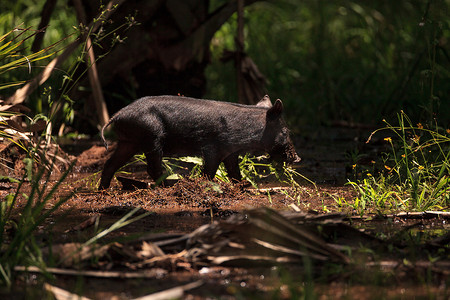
column 327, row 159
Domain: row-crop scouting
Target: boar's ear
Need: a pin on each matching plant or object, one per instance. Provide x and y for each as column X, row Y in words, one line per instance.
column 275, row 111
column 264, row 102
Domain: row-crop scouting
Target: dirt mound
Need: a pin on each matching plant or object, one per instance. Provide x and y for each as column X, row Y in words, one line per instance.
column 93, row 159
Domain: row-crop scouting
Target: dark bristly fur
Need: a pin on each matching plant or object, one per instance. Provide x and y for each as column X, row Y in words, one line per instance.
column 217, row 131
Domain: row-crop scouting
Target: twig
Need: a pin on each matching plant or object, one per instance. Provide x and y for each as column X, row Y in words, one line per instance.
column 47, row 11
column 99, row 100
column 85, row 224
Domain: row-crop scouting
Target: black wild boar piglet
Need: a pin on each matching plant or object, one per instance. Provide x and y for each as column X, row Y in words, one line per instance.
column 217, row 131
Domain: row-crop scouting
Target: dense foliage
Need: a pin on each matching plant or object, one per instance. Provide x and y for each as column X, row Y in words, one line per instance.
column 358, row 61
column 328, row 60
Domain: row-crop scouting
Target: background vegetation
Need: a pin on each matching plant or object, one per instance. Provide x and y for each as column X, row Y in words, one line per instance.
column 27, row 14
column 358, row 61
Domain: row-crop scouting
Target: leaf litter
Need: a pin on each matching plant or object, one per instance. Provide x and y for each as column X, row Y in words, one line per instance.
column 254, row 239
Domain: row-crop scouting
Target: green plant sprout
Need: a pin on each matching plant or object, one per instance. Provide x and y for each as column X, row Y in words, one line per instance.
column 252, row 169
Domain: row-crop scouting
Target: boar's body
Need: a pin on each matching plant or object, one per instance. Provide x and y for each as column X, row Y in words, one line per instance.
column 217, row 131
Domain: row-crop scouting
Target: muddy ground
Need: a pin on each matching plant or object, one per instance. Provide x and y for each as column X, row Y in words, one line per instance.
column 327, row 159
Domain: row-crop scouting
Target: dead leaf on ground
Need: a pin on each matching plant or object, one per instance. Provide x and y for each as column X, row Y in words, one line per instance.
column 83, row 225
column 73, row 254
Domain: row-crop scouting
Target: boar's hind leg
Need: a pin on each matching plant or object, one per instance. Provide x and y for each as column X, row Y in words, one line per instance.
column 232, row 165
column 122, row 154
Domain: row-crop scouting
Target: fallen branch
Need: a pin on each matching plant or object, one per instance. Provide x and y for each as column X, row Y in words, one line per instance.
column 151, row 273
column 263, row 236
column 61, row 294
column 408, row 215
column 173, row 293
column 387, row 265
column 240, row 259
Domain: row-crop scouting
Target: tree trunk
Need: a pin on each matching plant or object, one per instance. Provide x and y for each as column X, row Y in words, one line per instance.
column 166, row 53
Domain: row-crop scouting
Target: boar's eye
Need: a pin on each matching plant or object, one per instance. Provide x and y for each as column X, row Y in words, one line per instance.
column 282, row 136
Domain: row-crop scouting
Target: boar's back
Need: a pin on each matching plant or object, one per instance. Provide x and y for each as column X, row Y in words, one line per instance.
column 186, row 125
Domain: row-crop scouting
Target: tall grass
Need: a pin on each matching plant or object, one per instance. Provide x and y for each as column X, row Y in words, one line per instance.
column 25, row 210
column 416, row 172
column 17, row 228
column 15, row 126
column 12, row 57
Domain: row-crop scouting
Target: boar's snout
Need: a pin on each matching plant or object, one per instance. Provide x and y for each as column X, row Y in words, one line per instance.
column 295, row 159
column 290, row 154
column 292, row 157
column 285, row 154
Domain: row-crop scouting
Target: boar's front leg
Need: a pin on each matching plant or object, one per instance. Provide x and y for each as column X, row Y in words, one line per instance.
column 124, row 151
column 211, row 163
column 154, row 165
column 232, row 165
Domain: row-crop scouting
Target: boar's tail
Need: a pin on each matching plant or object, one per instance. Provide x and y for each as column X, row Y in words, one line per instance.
column 102, row 135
